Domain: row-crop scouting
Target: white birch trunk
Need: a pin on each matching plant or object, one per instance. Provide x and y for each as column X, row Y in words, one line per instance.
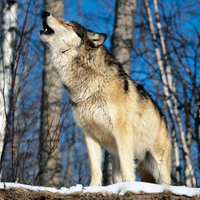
column 168, row 83
column 189, row 174
column 121, row 50
column 50, row 162
column 123, row 32
column 9, row 24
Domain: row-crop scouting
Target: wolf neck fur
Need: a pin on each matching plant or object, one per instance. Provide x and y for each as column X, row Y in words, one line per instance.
column 80, row 70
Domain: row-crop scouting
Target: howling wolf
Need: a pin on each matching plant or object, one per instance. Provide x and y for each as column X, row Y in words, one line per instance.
column 110, row 108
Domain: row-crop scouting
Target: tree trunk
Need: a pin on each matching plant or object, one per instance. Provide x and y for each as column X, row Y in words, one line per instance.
column 172, row 89
column 197, row 129
column 189, row 176
column 123, row 32
column 121, row 50
column 8, row 39
column 168, row 86
column 67, row 175
column 79, row 11
column 50, row 158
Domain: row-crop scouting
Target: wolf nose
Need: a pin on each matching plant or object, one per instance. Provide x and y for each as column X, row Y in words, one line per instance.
column 45, row 14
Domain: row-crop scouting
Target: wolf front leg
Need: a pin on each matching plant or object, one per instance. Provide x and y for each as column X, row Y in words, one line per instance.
column 124, row 140
column 95, row 158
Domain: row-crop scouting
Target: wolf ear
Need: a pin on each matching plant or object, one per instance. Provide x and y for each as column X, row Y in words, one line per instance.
column 97, row 39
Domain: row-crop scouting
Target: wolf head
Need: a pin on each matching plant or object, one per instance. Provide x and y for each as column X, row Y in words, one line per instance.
column 61, row 36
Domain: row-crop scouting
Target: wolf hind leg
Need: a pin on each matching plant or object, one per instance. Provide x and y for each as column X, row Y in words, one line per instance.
column 164, row 170
column 162, row 159
column 154, row 169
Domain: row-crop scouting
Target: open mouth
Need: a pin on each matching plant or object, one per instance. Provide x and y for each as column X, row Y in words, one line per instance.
column 47, row 30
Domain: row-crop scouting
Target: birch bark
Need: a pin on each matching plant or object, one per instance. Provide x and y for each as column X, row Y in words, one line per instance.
column 168, row 86
column 121, row 50
column 8, row 36
column 50, row 157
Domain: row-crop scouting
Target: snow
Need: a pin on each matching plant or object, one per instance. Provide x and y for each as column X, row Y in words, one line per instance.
column 118, row 188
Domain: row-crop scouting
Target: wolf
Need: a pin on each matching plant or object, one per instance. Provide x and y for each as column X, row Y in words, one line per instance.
column 110, row 108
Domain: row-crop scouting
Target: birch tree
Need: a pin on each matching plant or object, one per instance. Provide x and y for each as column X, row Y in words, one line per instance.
column 123, row 32
column 68, row 175
column 8, row 40
column 50, row 158
column 171, row 98
column 122, row 38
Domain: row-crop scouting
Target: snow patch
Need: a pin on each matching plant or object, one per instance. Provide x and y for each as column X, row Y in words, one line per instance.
column 118, row 188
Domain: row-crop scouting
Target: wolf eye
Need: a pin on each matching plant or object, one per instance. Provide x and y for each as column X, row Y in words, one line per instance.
column 69, row 24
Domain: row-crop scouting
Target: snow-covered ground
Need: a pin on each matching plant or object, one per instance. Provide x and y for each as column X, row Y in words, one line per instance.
column 119, row 188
